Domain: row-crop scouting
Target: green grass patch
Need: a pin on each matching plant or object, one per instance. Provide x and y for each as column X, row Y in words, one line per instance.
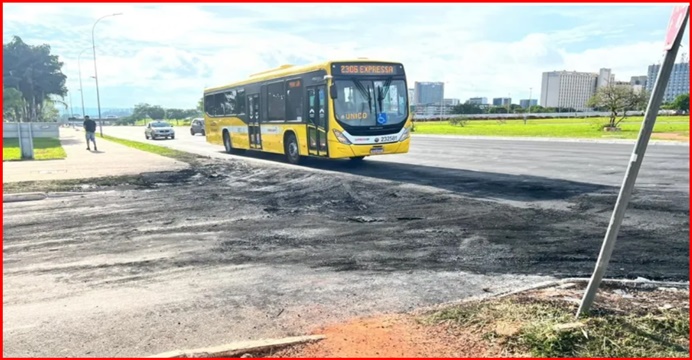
column 523, row 325
column 156, row 149
column 563, row 128
column 44, row 149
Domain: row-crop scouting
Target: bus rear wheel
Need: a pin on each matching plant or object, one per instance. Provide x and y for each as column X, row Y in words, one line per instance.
column 291, row 149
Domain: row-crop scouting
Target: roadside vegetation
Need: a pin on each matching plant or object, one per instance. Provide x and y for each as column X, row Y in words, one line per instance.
column 156, row 149
column 677, row 126
column 44, row 149
column 625, row 324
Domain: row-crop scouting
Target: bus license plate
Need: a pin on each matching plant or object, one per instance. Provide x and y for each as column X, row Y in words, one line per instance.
column 377, row 150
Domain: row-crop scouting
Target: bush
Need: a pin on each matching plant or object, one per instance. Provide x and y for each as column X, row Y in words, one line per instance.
column 459, row 121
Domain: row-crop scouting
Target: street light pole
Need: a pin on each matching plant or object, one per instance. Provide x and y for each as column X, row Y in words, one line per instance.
column 96, row 76
column 81, row 89
column 528, row 106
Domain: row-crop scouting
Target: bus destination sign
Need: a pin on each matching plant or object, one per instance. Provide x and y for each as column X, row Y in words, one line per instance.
column 366, row 69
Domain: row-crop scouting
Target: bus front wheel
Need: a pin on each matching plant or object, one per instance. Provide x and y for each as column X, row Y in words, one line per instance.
column 227, row 143
column 291, row 149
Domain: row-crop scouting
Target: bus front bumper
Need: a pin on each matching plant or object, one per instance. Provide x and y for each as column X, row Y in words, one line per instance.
column 339, row 150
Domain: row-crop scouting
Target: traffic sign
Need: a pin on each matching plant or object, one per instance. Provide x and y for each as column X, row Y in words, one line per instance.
column 675, row 25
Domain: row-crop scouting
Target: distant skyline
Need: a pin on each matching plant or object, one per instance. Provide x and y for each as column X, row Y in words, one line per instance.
column 166, row 54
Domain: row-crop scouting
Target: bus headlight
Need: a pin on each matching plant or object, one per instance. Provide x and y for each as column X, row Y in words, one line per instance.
column 406, row 134
column 340, row 136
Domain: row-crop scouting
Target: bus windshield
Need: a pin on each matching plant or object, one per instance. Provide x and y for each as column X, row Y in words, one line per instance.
column 369, row 103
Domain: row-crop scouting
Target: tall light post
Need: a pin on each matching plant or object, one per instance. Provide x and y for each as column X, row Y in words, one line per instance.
column 96, row 76
column 528, row 106
column 81, row 89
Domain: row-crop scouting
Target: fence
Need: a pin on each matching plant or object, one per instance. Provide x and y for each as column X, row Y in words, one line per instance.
column 564, row 115
column 27, row 132
column 36, row 130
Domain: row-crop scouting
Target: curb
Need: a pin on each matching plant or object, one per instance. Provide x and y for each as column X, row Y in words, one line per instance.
column 8, row 198
column 239, row 348
column 641, row 284
column 35, row 196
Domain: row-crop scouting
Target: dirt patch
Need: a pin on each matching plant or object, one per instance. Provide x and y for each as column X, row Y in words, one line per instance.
column 392, row 336
column 540, row 323
column 671, row 136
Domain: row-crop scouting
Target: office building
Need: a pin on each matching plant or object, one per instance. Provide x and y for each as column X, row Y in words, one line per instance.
column 678, row 84
column 411, row 95
column 605, row 78
column 452, row 102
column 572, row 89
column 428, row 93
column 638, row 83
column 525, row 103
column 478, row 101
column 502, row 101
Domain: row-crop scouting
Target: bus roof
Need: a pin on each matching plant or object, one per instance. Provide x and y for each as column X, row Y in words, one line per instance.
column 287, row 70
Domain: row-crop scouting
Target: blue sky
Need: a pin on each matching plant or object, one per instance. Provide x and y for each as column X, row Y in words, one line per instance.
column 167, row 53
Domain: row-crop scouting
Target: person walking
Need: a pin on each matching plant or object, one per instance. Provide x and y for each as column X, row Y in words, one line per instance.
column 90, row 131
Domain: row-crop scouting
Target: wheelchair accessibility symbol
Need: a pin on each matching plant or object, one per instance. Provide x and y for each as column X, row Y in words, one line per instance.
column 382, row 118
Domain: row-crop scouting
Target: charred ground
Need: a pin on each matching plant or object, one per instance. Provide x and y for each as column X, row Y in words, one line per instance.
column 376, row 237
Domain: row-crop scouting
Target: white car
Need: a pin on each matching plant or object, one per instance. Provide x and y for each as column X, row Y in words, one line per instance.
column 159, row 129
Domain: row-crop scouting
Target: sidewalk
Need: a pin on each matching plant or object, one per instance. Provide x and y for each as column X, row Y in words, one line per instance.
column 112, row 159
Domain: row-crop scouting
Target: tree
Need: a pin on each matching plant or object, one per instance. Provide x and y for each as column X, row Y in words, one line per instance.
column 467, row 108
column 681, row 103
column 200, row 105
column 35, row 73
column 617, row 99
column 193, row 113
column 13, row 104
column 49, row 111
column 176, row 114
column 144, row 111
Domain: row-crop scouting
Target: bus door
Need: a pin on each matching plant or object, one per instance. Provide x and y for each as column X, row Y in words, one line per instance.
column 317, row 120
column 254, row 131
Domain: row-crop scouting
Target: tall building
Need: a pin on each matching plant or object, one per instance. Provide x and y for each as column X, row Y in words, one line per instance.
column 478, row 101
column 605, row 78
column 678, row 84
column 525, row 103
column 502, row 101
column 411, row 95
column 428, row 93
column 638, row 83
column 572, row 89
column 638, row 80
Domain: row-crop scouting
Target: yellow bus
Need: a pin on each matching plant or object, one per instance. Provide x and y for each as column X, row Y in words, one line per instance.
column 334, row 109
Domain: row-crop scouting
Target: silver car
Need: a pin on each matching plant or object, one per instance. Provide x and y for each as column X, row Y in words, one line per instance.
column 159, row 129
column 197, row 127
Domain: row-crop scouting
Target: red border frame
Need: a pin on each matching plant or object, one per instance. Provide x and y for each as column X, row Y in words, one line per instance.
column 384, row 2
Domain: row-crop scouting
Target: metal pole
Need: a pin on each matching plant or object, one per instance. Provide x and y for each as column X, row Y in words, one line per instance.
column 69, row 115
column 632, row 171
column 81, row 89
column 96, row 76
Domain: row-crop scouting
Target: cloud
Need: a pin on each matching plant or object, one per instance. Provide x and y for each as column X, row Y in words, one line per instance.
column 167, row 53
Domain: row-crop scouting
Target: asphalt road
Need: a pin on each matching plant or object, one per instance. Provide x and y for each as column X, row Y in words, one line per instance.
column 665, row 165
column 250, row 249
